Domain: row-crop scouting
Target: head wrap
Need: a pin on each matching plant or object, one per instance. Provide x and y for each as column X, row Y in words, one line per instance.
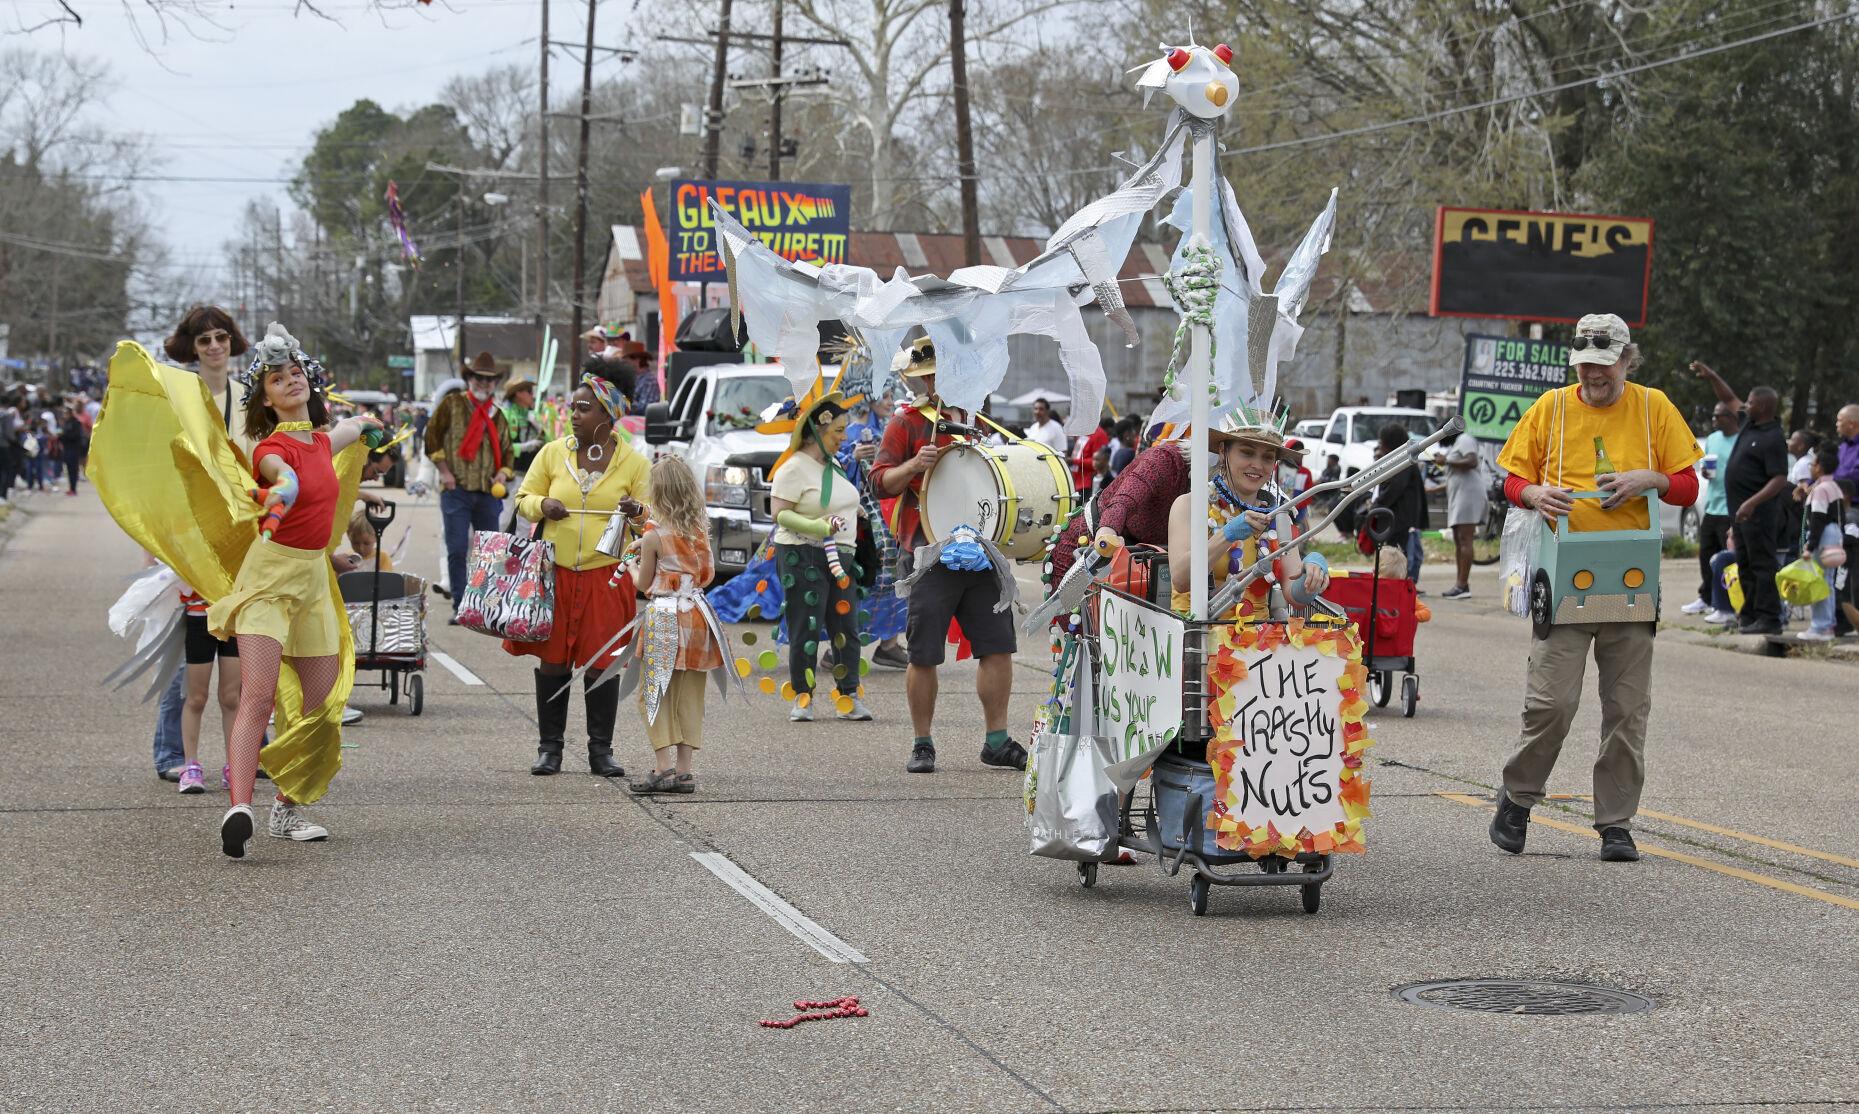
column 278, row 349
column 605, row 393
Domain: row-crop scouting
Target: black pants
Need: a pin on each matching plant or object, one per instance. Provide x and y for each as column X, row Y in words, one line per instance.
column 819, row 612
column 1757, row 565
column 72, row 462
column 8, row 470
column 1713, row 536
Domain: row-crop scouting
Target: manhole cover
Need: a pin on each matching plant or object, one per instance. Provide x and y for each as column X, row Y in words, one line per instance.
column 1525, row 996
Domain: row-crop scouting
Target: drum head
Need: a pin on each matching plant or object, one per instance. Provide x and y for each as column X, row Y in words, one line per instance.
column 962, row 490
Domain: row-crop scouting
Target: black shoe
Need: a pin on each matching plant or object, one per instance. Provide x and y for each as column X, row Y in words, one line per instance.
column 922, row 759
column 551, row 722
column 451, row 620
column 890, row 657
column 603, row 704
column 1759, row 628
column 171, row 774
column 1010, row 755
column 1617, row 846
column 439, row 591
column 1511, row 826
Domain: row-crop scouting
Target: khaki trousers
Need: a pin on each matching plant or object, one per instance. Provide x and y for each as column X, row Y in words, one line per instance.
column 1623, row 654
column 680, row 719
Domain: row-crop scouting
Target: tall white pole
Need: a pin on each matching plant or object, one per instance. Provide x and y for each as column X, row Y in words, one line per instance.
column 1199, row 374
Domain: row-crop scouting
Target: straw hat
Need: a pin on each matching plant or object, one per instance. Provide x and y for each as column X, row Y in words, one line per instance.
column 917, row 360
column 1254, row 428
column 517, row 384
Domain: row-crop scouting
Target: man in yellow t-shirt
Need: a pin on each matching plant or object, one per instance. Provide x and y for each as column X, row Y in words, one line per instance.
column 1553, row 452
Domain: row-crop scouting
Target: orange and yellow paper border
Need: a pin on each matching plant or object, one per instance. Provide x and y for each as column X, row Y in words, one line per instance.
column 1226, row 667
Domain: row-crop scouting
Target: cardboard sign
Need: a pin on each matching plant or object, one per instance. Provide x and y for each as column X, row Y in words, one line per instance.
column 1540, row 266
column 1140, row 667
column 800, row 221
column 1502, row 377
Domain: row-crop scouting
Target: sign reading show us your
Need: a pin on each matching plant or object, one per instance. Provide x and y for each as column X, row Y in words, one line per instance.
column 802, row 221
column 1140, row 659
column 1540, row 266
column 1286, row 720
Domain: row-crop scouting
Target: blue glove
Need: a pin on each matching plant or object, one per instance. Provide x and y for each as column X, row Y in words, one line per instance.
column 963, row 552
column 1237, row 529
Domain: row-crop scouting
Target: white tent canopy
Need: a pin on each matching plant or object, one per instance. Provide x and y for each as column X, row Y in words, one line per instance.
column 1030, row 397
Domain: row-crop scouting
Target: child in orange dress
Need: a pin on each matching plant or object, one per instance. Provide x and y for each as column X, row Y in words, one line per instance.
column 680, row 638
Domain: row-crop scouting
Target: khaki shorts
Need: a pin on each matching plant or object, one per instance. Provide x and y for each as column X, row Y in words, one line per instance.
column 283, row 594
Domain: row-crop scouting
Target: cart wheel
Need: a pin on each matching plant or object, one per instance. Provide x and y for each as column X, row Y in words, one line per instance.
column 1380, row 686
column 1197, row 895
column 393, row 691
column 416, row 694
column 1539, row 604
column 1410, row 695
column 1087, row 875
column 1313, row 896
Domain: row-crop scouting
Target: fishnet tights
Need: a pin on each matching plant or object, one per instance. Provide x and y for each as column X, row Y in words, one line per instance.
column 260, row 659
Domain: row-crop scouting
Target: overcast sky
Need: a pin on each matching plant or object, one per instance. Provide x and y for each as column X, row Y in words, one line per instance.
column 228, row 107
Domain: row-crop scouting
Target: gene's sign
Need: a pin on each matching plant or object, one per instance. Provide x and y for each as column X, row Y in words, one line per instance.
column 797, row 220
column 1540, row 266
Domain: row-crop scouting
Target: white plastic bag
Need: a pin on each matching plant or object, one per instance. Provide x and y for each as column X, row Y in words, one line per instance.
column 1523, row 534
column 1075, row 803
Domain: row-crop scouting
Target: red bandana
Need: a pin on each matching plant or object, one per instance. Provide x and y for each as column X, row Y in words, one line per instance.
column 478, row 430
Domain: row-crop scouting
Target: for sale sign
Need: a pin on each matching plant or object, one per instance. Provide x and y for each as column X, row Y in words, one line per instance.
column 802, row 221
column 1502, row 377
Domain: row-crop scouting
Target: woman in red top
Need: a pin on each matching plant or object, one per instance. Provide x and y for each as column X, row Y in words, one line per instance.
column 281, row 605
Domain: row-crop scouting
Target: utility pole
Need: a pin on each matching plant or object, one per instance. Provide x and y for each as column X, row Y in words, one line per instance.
column 964, row 136
column 713, row 117
column 774, row 102
column 458, row 271
column 542, row 202
column 580, row 221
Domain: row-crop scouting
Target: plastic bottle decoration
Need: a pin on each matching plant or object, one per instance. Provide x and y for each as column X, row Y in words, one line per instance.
column 832, row 553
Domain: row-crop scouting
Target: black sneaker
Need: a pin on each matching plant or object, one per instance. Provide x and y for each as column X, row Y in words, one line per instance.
column 1010, row 755
column 890, row 657
column 1511, row 826
column 922, row 759
column 1456, row 592
column 1617, row 846
column 1760, row 628
column 172, row 773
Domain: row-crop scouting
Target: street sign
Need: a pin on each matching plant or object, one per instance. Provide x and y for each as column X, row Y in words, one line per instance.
column 401, row 362
column 1502, row 377
column 1540, row 266
column 802, row 221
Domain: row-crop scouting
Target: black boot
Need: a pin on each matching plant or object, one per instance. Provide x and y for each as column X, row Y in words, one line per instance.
column 1511, row 826
column 603, row 704
column 552, row 718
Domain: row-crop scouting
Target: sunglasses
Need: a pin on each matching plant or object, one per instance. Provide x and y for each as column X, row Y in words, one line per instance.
column 220, row 336
column 1581, row 342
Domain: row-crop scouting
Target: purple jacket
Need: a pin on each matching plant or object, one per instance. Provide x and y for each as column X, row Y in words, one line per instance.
column 1848, row 471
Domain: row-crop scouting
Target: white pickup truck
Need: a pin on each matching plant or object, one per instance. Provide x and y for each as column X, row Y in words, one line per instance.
column 710, row 421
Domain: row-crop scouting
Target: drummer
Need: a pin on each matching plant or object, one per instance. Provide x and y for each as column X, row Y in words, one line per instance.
column 905, row 457
column 1243, row 493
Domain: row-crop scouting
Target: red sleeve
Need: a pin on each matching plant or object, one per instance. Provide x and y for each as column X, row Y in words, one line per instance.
column 1682, row 493
column 1514, row 485
column 893, row 450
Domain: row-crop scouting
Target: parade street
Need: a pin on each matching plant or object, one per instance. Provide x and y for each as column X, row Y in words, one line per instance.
column 471, row 937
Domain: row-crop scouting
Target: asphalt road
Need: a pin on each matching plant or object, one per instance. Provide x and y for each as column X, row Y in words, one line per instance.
column 474, row 938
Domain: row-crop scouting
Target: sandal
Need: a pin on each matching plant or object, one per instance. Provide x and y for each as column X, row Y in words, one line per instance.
column 684, row 783
column 658, row 781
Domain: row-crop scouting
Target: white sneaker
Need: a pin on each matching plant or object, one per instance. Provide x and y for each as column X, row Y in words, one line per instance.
column 288, row 823
column 858, row 711
column 1812, row 635
column 1696, row 607
column 235, row 831
column 351, row 716
column 1722, row 618
column 800, row 714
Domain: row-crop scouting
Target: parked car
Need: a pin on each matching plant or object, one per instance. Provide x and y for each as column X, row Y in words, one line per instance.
column 1353, row 432
column 710, row 421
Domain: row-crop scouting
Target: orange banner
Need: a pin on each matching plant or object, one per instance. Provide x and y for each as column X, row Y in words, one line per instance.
column 658, row 266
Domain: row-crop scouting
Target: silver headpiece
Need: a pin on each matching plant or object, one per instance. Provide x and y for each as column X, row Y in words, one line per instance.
column 278, row 349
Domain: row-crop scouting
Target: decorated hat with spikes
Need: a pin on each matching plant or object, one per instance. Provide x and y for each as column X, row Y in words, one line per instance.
column 1255, row 426
column 278, row 349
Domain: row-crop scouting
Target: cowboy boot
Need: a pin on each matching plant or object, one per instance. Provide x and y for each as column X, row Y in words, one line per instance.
column 603, row 704
column 552, row 718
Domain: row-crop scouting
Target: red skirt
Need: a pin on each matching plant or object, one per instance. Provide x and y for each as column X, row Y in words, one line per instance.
column 587, row 614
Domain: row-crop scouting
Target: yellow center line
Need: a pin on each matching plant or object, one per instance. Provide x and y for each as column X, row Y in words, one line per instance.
column 1824, row 856
column 1678, row 856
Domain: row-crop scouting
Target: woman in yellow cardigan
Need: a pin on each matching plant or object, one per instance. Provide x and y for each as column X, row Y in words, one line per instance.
column 572, row 488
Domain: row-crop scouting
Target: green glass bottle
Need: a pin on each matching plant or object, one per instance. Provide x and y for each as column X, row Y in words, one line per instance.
column 1602, row 465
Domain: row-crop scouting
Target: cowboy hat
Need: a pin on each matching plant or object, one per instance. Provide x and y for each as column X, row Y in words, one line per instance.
column 484, row 366
column 917, row 360
column 519, row 383
column 1253, row 430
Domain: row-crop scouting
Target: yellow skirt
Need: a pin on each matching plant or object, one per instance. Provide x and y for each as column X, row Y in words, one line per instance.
column 282, row 593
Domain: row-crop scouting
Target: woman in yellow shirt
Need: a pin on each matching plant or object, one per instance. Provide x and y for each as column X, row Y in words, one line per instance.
column 572, row 488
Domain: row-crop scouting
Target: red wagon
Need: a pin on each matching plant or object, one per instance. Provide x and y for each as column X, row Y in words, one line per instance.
column 1388, row 642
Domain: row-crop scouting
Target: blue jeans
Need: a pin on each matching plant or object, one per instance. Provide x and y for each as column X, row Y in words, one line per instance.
column 1414, row 555
column 168, row 753
column 463, row 512
column 1821, row 617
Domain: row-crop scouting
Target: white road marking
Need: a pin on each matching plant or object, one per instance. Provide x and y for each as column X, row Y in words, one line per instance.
column 451, row 666
column 785, row 915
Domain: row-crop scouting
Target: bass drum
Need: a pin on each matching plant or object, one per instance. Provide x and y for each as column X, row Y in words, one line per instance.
column 1014, row 496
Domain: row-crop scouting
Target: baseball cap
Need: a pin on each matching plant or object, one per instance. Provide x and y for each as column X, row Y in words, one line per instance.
column 1600, row 325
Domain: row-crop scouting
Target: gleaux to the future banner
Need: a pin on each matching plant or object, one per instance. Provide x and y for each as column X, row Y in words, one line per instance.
column 1540, row 266
column 805, row 221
